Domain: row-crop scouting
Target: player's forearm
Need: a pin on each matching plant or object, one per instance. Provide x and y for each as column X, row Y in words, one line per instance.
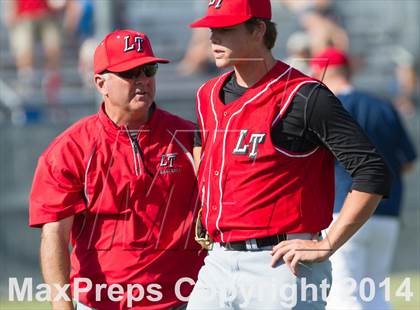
column 55, row 263
column 357, row 209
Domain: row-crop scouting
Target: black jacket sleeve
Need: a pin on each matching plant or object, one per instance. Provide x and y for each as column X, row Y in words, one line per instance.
column 327, row 120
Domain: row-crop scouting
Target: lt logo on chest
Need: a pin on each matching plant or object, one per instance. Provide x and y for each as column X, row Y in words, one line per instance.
column 250, row 148
column 167, row 163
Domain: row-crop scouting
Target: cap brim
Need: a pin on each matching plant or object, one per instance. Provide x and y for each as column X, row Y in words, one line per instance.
column 133, row 63
column 219, row 21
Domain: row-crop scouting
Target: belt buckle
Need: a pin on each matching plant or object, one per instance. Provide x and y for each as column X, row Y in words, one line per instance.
column 251, row 244
column 234, row 246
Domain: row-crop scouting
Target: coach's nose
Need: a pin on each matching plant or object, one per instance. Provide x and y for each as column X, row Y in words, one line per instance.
column 143, row 81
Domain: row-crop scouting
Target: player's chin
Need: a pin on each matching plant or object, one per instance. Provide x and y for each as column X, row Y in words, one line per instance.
column 222, row 63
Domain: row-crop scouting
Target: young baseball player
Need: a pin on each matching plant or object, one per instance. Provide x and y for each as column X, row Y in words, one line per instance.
column 119, row 187
column 269, row 136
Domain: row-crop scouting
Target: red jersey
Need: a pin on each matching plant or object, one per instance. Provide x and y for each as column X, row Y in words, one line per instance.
column 133, row 205
column 250, row 188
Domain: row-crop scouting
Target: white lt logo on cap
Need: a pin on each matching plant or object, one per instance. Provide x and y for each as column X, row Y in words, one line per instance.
column 218, row 4
column 137, row 41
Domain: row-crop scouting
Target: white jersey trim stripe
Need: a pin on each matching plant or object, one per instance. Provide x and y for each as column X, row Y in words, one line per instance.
column 208, row 197
column 224, row 144
column 296, row 155
column 283, row 109
column 200, row 114
column 212, row 105
column 214, row 137
column 86, row 174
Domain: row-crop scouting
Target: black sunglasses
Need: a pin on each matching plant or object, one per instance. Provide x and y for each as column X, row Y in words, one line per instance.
column 149, row 70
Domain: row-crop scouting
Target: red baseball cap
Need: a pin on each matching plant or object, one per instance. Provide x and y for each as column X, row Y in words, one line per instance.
column 123, row 50
column 226, row 13
column 330, row 57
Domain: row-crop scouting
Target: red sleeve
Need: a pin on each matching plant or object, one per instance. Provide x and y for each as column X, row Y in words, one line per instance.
column 57, row 189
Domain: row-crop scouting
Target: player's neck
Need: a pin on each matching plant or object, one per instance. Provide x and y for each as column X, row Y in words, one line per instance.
column 127, row 119
column 250, row 72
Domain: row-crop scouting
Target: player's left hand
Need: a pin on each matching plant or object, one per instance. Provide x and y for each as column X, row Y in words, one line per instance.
column 296, row 251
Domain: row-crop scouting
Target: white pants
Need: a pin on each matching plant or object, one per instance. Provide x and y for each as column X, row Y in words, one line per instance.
column 368, row 254
column 80, row 306
column 246, row 280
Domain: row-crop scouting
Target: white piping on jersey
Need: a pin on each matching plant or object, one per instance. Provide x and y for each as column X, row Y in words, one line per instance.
column 199, row 110
column 214, row 136
column 203, row 195
column 212, row 105
column 283, row 109
column 297, row 155
column 224, row 144
column 208, row 196
column 85, row 190
column 184, row 149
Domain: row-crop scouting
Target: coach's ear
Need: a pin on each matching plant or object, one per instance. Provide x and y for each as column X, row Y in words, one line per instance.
column 100, row 83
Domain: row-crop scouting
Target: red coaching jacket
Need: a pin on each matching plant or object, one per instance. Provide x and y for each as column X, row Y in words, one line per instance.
column 133, row 206
column 249, row 187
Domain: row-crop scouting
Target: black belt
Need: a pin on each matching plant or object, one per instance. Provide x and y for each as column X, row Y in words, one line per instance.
column 254, row 244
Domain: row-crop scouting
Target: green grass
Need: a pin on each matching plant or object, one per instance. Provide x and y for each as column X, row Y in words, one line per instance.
column 396, row 280
column 398, row 302
column 10, row 305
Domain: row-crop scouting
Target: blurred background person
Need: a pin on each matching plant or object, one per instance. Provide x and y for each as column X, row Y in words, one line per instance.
column 79, row 25
column 198, row 57
column 85, row 64
column 406, row 83
column 29, row 21
column 316, row 17
column 79, row 19
column 298, row 51
column 369, row 253
column 198, row 54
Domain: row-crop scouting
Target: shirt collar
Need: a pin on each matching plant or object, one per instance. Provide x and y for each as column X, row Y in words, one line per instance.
column 114, row 130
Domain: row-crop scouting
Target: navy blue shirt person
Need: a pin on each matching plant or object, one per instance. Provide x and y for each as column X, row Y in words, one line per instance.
column 383, row 126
